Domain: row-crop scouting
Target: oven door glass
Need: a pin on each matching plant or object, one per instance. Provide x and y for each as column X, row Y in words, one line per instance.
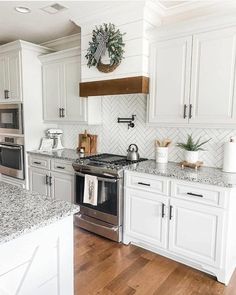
column 107, row 195
column 11, row 156
column 9, row 118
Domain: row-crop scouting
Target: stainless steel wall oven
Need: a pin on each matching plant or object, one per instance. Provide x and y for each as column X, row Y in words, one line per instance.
column 12, row 157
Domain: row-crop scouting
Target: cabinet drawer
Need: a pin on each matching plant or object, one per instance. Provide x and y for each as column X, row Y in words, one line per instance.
column 62, row 166
column 40, row 162
column 199, row 193
column 146, row 182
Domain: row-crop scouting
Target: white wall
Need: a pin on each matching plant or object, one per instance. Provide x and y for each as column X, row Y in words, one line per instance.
column 115, row 138
column 132, row 18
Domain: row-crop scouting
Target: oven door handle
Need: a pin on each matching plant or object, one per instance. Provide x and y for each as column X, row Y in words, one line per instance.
column 99, row 178
column 10, row 147
column 113, row 228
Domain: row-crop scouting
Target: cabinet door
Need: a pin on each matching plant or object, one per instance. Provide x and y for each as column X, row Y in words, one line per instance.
column 37, row 181
column 74, row 106
column 196, row 231
column 52, row 83
column 213, row 92
column 144, row 217
column 170, row 65
column 2, row 77
column 63, row 186
column 13, row 77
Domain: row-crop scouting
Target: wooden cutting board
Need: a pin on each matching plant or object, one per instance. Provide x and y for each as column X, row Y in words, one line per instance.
column 93, row 143
column 84, row 142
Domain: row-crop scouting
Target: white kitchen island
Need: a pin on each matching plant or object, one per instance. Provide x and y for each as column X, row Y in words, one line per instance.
column 36, row 243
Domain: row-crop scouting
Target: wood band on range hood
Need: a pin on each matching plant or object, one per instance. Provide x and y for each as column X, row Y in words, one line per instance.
column 128, row 85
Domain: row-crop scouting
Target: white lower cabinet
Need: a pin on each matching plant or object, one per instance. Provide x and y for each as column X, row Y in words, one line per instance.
column 62, row 186
column 38, row 181
column 45, row 180
column 184, row 227
column 196, row 231
column 152, row 209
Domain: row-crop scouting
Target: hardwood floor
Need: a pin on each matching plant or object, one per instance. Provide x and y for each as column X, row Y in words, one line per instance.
column 105, row 267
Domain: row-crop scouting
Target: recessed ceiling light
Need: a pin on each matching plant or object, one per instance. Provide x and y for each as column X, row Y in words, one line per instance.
column 22, row 9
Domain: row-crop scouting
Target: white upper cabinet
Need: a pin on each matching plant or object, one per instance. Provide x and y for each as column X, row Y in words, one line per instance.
column 73, row 105
column 10, row 75
column 170, row 80
column 194, row 77
column 2, row 77
column 61, row 77
column 52, row 91
column 213, row 96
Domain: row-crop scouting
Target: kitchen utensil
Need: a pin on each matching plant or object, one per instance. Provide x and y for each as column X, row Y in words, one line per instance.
column 164, row 143
column 133, row 154
column 84, row 142
column 93, row 143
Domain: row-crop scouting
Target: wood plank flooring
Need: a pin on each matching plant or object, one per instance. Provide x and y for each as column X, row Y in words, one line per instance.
column 104, row 267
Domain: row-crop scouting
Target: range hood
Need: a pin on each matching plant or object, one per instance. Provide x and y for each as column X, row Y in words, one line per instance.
column 129, row 85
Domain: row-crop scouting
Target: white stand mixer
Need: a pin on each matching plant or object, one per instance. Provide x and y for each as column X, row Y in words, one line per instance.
column 55, row 134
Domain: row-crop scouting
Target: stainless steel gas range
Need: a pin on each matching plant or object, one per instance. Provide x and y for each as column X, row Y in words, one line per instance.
column 106, row 217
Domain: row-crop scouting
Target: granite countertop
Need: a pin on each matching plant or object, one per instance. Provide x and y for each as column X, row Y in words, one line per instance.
column 63, row 154
column 22, row 211
column 206, row 175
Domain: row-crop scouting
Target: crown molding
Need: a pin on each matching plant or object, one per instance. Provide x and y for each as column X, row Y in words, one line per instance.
column 20, row 44
column 71, row 52
column 64, row 40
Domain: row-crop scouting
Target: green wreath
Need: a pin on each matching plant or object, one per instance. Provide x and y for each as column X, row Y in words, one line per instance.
column 105, row 37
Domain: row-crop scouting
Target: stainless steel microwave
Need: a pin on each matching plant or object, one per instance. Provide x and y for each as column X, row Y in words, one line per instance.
column 11, row 118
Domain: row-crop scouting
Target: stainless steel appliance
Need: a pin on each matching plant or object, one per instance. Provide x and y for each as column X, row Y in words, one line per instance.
column 12, row 156
column 11, row 118
column 106, row 217
column 133, row 154
column 55, row 134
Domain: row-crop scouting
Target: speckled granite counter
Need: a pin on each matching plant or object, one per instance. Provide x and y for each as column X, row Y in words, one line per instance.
column 207, row 175
column 22, row 211
column 64, row 154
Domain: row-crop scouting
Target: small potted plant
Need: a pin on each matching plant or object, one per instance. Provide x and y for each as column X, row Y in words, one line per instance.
column 192, row 148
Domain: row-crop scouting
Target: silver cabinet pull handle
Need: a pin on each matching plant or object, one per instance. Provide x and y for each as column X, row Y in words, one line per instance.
column 185, row 111
column 171, row 209
column 195, row 195
column 143, row 183
column 63, row 113
column 163, row 210
column 50, row 180
column 190, row 111
column 60, row 113
column 47, row 177
column 38, row 163
column 60, row 167
column 6, row 94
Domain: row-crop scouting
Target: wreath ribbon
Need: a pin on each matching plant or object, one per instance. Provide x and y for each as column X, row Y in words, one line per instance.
column 102, row 39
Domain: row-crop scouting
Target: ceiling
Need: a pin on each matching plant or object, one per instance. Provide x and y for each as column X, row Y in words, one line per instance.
column 39, row 26
column 170, row 4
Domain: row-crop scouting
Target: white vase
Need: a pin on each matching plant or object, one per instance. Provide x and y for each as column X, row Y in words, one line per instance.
column 191, row 156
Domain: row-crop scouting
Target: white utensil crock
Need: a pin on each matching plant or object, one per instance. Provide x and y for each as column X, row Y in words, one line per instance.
column 162, row 155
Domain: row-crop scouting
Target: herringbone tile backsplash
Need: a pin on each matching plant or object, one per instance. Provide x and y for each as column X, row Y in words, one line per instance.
column 115, row 138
